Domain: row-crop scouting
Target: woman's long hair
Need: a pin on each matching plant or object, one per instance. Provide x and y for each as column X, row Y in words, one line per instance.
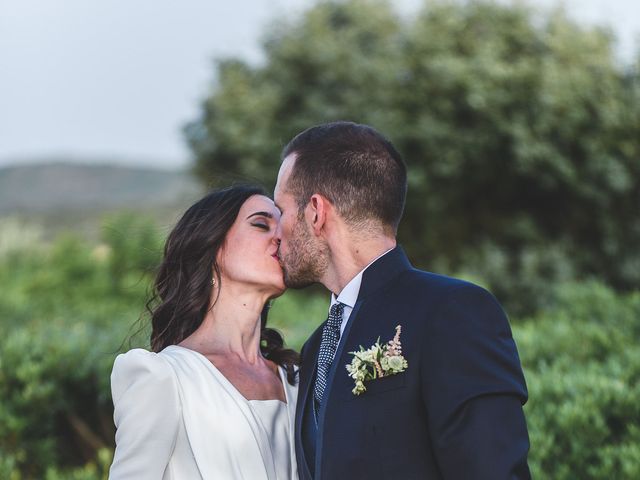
column 181, row 295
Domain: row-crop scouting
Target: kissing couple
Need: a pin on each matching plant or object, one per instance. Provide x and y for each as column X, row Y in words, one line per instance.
column 413, row 375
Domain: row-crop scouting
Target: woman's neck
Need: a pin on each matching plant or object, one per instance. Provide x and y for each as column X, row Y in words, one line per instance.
column 231, row 327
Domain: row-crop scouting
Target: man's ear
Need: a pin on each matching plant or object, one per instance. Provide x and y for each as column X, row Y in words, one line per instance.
column 316, row 213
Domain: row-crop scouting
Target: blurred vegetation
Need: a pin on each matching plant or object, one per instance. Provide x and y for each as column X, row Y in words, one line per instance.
column 581, row 358
column 522, row 136
column 520, row 130
column 68, row 308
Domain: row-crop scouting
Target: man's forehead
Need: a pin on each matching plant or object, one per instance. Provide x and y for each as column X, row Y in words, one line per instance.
column 287, row 166
column 284, row 173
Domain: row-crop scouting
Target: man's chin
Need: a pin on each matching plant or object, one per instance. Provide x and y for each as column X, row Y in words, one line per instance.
column 297, row 283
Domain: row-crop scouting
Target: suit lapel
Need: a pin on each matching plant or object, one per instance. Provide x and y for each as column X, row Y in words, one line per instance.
column 383, row 271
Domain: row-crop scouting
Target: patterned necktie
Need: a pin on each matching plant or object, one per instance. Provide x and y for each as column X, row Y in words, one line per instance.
column 328, row 347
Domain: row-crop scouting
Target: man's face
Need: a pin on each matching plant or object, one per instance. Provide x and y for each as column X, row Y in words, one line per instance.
column 302, row 256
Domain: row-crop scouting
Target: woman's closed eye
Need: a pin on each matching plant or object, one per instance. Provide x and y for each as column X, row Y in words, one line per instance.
column 262, row 226
column 261, row 220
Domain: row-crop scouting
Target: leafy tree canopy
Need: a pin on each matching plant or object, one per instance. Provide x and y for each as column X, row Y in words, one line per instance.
column 520, row 130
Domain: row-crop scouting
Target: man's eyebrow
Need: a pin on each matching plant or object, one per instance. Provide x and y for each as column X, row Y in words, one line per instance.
column 260, row 214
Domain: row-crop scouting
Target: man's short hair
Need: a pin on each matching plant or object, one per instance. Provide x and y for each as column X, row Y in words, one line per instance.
column 358, row 170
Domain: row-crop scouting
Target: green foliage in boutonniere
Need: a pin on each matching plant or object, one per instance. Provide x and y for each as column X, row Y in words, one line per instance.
column 376, row 362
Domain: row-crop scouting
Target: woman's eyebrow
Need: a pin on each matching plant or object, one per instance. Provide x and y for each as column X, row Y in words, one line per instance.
column 260, row 214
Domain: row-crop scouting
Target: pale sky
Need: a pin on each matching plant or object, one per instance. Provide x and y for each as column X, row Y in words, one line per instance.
column 118, row 78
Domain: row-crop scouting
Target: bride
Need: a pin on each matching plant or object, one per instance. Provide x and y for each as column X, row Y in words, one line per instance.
column 216, row 397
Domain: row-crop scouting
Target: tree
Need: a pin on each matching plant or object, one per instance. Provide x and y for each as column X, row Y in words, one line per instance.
column 519, row 129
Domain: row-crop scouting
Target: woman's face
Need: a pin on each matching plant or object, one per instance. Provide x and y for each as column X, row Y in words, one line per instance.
column 250, row 252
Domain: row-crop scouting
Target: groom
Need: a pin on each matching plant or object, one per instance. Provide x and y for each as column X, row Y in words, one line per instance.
column 455, row 411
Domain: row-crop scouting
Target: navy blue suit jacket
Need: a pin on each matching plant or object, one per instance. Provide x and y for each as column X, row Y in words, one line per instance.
column 455, row 413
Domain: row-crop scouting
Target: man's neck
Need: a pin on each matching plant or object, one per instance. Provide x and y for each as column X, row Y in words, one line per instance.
column 347, row 259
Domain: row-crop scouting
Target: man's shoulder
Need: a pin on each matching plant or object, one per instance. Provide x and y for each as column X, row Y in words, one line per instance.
column 434, row 281
column 434, row 288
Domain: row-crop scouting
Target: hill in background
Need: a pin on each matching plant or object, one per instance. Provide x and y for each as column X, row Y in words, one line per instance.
column 55, row 187
column 63, row 196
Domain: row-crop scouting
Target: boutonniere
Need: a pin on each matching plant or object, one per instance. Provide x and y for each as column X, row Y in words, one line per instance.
column 376, row 362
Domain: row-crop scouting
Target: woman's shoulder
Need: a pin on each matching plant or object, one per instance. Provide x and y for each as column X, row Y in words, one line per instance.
column 140, row 360
column 141, row 368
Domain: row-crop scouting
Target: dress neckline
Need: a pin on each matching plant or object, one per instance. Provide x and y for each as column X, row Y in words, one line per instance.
column 230, row 385
column 268, row 400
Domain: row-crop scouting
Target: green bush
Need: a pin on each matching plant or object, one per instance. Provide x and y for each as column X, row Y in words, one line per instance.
column 582, row 362
column 54, row 386
column 64, row 319
column 134, row 246
column 297, row 314
column 66, row 311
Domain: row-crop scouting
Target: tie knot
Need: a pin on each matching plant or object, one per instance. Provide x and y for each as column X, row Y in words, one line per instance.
column 335, row 314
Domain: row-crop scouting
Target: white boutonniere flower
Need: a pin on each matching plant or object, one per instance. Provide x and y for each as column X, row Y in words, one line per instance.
column 376, row 362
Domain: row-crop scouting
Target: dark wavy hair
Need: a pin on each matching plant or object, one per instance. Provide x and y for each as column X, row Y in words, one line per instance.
column 181, row 295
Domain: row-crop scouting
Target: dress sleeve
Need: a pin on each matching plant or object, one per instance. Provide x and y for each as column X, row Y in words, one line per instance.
column 146, row 414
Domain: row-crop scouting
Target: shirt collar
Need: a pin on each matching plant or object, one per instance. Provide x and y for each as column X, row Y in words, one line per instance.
column 349, row 293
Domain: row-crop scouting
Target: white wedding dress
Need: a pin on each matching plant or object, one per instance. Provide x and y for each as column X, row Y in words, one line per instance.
column 178, row 417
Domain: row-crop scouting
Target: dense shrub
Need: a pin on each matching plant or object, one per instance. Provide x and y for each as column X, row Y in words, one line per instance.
column 582, row 362
column 65, row 311
column 56, row 408
column 64, row 319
